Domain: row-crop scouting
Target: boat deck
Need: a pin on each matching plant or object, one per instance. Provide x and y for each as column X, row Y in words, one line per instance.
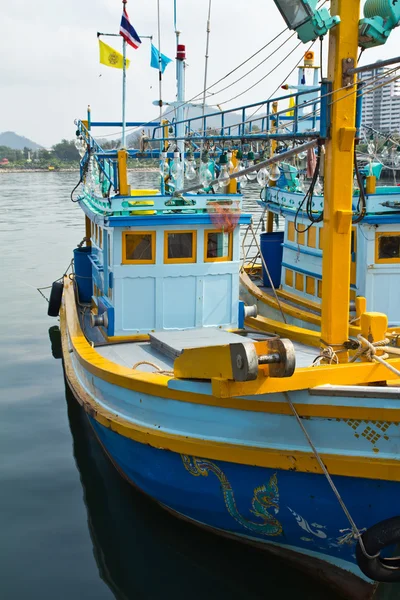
column 130, row 353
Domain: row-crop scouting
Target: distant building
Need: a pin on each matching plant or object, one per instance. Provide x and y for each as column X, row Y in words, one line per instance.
column 381, row 107
column 4, row 162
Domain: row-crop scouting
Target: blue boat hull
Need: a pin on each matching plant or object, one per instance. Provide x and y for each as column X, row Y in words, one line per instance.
column 291, row 510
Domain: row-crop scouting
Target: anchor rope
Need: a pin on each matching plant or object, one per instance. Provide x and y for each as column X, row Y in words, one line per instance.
column 156, row 367
column 369, row 350
column 356, row 532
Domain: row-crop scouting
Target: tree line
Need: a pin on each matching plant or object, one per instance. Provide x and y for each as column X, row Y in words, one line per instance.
column 64, row 151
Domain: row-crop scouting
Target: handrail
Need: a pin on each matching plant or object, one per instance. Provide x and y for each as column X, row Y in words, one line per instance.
column 244, row 127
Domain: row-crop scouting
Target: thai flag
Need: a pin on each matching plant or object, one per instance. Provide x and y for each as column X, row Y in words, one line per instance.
column 128, row 32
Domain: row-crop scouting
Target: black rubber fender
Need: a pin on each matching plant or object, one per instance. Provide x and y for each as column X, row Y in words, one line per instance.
column 375, row 539
column 55, row 299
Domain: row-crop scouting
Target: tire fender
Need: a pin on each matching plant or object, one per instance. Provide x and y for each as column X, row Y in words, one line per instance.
column 375, row 539
column 55, row 299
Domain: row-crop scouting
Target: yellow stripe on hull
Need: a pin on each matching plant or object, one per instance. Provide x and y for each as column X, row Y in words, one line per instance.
column 352, row 466
column 227, row 394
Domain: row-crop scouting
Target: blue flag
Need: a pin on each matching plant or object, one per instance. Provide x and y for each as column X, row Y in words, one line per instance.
column 154, row 61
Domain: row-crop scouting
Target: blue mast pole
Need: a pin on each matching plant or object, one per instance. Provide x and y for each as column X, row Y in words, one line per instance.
column 123, row 87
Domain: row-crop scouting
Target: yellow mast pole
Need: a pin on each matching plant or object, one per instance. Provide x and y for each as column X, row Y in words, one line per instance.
column 338, row 194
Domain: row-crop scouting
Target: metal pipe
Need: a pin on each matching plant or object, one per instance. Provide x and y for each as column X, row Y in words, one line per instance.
column 376, row 65
column 270, row 161
column 269, row 359
column 99, row 33
column 203, row 108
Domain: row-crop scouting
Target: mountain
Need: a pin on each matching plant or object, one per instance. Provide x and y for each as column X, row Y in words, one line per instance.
column 17, row 142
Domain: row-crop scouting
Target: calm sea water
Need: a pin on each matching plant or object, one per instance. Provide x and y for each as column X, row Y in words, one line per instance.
column 70, row 527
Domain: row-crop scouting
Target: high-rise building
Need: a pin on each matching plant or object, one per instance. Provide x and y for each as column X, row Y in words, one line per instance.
column 381, row 107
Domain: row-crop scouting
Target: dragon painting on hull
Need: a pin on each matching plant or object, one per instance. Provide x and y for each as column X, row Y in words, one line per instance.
column 265, row 499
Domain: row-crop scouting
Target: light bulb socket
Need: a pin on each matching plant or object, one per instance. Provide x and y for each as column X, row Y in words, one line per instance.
column 239, row 155
column 250, row 155
column 223, row 159
column 205, row 157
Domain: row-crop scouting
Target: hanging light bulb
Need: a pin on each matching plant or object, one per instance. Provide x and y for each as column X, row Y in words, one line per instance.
column 263, row 177
column 250, row 163
column 242, row 180
column 223, row 178
column 80, row 145
column 205, row 173
column 176, row 167
column 396, row 157
column 302, row 155
column 163, row 158
column 318, row 188
column 231, row 166
column 275, row 172
column 385, row 151
column 371, row 146
column 190, row 166
column 263, row 173
column 300, row 185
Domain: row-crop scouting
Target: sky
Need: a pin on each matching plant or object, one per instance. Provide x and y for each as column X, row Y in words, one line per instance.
column 52, row 70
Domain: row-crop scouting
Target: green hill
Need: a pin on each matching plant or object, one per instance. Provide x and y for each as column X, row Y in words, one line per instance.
column 17, row 142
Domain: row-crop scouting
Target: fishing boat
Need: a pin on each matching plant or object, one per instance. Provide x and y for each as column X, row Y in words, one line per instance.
column 256, row 429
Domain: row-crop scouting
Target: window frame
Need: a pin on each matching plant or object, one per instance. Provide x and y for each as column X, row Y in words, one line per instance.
column 218, row 258
column 385, row 261
column 126, row 261
column 179, row 261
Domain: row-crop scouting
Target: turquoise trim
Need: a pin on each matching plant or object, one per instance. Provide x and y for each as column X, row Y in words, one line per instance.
column 300, row 249
column 303, row 271
column 154, row 220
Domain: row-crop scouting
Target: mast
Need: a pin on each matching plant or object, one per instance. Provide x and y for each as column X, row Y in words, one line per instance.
column 159, row 61
column 203, row 108
column 123, row 140
column 339, row 165
column 180, row 97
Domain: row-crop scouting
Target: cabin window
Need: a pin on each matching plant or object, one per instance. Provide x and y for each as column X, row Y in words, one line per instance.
column 310, row 286
column 289, row 277
column 217, row 246
column 312, row 237
column 180, row 247
column 387, row 248
column 138, row 248
column 319, row 288
column 291, row 231
column 299, row 282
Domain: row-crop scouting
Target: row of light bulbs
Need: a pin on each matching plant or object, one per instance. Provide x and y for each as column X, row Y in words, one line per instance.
column 226, row 167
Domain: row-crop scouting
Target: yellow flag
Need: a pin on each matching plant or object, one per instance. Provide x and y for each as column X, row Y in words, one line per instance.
column 110, row 57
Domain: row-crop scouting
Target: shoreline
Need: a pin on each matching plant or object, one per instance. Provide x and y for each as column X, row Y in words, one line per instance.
column 74, row 170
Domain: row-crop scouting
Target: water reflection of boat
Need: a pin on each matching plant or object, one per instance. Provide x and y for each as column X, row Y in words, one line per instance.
column 143, row 552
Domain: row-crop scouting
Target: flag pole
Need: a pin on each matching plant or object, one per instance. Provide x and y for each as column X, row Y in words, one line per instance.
column 123, row 141
column 159, row 60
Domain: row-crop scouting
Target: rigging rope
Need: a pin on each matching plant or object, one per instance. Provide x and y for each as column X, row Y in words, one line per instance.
column 356, row 532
